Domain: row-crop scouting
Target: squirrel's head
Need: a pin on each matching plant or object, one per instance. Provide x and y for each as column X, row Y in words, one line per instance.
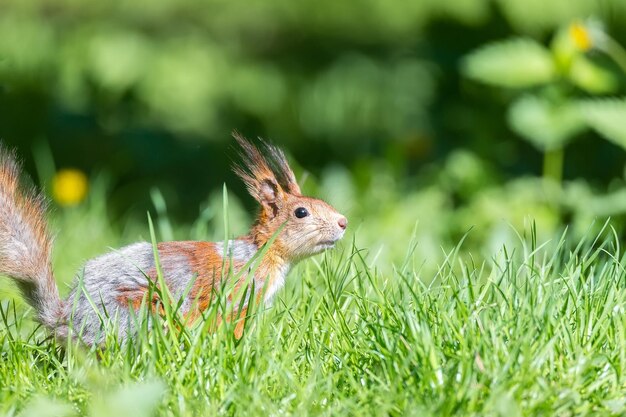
column 307, row 225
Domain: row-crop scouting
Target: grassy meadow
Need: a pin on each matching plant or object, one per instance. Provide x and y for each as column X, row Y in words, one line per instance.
column 536, row 328
column 477, row 148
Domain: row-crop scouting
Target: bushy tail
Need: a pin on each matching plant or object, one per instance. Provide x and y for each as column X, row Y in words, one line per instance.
column 25, row 243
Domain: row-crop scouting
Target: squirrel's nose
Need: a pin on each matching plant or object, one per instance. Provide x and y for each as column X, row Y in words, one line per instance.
column 342, row 222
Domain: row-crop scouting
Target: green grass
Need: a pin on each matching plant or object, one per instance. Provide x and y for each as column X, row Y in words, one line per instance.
column 536, row 330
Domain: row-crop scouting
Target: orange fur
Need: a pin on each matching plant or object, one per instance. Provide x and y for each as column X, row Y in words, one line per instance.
column 206, row 266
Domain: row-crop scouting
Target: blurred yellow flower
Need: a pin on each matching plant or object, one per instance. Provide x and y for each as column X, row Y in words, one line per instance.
column 581, row 36
column 69, row 187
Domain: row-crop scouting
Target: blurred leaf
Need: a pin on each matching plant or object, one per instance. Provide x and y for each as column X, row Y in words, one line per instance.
column 545, row 124
column 466, row 173
column 26, row 48
column 605, row 205
column 591, row 77
column 46, row 407
column 511, row 63
column 118, row 59
column 616, row 406
column 506, row 405
column 607, row 117
column 138, row 400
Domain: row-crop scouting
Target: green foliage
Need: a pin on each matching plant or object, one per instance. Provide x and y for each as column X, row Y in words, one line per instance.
column 514, row 63
column 182, row 74
column 592, row 78
column 311, row 69
column 146, row 88
column 551, row 116
column 545, row 124
column 607, row 118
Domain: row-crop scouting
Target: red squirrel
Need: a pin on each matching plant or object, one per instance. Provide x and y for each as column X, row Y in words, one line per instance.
column 113, row 284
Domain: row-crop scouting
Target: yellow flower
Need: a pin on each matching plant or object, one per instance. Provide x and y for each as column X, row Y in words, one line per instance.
column 69, row 187
column 581, row 36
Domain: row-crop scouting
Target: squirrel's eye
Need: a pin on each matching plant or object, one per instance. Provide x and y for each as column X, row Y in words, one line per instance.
column 301, row 212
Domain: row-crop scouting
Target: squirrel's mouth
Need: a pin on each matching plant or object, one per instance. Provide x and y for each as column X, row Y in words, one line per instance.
column 327, row 244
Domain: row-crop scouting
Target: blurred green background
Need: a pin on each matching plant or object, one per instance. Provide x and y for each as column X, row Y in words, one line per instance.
column 446, row 114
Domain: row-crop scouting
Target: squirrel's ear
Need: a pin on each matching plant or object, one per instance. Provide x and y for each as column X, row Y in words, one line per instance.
column 270, row 196
column 285, row 174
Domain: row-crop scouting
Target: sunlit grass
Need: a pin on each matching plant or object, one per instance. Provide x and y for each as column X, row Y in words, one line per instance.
column 537, row 330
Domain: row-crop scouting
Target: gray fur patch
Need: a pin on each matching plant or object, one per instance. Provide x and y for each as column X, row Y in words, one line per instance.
column 100, row 284
column 239, row 250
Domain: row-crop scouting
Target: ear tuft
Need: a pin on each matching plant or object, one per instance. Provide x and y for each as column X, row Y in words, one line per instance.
column 281, row 168
column 268, row 161
column 257, row 171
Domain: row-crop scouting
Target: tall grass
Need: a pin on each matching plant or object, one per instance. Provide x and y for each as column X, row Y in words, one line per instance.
column 539, row 329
